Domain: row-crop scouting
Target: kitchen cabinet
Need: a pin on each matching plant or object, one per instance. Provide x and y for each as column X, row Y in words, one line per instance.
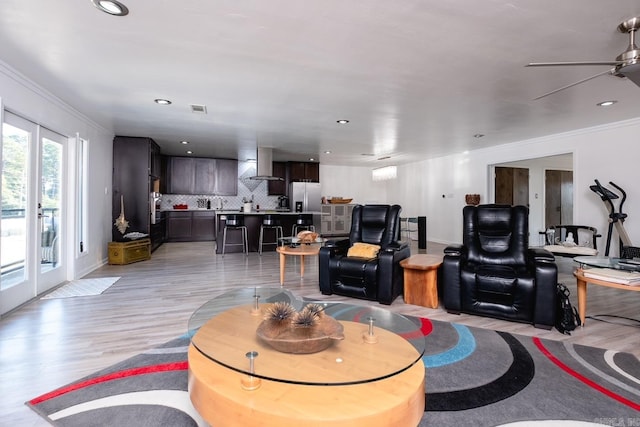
column 204, row 176
column 304, row 171
column 336, row 220
column 133, row 162
column 278, row 188
column 203, row 226
column 179, row 226
column 200, row 176
column 156, row 160
column 226, row 177
column 191, row 226
column 181, row 175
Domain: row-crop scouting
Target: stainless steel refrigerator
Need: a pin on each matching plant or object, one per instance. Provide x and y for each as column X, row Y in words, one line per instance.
column 307, row 198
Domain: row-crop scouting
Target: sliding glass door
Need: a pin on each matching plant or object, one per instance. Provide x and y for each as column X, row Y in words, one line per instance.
column 33, row 217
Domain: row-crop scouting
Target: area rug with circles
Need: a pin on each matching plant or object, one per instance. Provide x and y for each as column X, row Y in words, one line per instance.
column 474, row 377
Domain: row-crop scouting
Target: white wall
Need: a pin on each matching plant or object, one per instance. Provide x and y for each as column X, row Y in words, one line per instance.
column 608, row 153
column 30, row 101
column 436, row 187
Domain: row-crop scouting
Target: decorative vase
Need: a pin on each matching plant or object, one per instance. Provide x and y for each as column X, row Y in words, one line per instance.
column 472, row 199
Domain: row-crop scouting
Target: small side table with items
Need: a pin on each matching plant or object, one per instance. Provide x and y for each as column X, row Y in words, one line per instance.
column 421, row 279
column 616, row 273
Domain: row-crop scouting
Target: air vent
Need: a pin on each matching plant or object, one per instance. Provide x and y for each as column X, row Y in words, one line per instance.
column 201, row 109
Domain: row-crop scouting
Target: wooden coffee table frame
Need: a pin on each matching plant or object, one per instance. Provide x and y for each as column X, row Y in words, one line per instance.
column 217, row 392
column 582, row 281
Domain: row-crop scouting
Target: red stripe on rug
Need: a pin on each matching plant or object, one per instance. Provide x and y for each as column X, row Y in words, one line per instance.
column 426, row 327
column 175, row 366
column 584, row 379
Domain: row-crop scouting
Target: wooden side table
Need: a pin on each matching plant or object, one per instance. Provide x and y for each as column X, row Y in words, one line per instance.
column 421, row 279
column 300, row 251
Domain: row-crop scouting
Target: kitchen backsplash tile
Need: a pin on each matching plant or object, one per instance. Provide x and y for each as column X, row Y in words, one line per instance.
column 259, row 193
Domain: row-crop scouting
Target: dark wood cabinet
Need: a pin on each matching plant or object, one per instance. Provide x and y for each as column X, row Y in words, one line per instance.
column 134, row 159
column 156, row 160
column 202, row 176
column 304, row 171
column 191, row 226
column 179, row 226
column 226, row 177
column 181, row 175
column 278, row 188
column 203, row 226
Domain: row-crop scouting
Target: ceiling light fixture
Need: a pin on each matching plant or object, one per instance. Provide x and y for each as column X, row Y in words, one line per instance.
column 342, row 121
column 606, row 103
column 162, row 101
column 189, row 152
column 384, row 173
column 112, row 7
column 184, row 142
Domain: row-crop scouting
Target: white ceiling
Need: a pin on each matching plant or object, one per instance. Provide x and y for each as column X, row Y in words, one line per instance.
column 416, row 78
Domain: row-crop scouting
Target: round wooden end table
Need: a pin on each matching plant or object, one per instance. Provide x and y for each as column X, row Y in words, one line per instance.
column 301, row 251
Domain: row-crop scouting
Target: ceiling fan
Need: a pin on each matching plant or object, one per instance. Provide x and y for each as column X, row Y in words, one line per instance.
column 627, row 64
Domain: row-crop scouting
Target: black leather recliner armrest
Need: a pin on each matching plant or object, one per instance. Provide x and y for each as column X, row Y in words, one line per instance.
column 541, row 255
column 454, row 250
column 395, row 246
column 336, row 246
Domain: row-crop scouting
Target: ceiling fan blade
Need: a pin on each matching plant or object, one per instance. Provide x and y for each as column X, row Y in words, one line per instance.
column 554, row 64
column 611, row 71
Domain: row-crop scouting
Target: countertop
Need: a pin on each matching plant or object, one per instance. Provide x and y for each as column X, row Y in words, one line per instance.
column 237, row 211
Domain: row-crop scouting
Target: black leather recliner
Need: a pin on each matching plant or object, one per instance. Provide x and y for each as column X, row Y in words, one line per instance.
column 381, row 278
column 494, row 272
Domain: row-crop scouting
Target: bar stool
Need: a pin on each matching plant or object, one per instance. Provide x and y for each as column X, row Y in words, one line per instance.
column 303, row 222
column 270, row 222
column 235, row 222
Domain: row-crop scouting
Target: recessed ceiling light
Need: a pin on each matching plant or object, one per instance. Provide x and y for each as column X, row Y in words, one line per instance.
column 184, row 142
column 327, row 152
column 311, row 159
column 162, row 101
column 478, row 135
column 112, row 7
column 189, row 152
column 606, row 103
column 342, row 121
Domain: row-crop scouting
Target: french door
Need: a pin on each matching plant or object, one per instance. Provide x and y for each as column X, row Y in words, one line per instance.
column 32, row 226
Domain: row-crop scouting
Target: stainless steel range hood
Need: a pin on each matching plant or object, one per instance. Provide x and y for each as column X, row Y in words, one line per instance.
column 265, row 166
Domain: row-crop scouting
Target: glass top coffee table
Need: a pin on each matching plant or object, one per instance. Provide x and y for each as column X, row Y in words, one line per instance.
column 591, row 264
column 227, row 359
column 608, row 262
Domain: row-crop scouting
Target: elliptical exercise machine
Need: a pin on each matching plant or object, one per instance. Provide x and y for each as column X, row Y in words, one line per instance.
column 615, row 218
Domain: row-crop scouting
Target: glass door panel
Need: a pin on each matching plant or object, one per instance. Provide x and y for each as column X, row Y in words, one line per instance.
column 32, row 217
column 15, row 184
column 50, row 210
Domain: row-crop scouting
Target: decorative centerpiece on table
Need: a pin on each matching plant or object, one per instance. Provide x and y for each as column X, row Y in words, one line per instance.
column 300, row 332
column 307, row 236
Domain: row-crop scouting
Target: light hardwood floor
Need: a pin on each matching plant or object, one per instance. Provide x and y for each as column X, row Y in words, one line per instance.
column 49, row 343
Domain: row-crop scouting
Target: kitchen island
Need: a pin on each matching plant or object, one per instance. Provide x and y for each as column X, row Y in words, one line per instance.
column 253, row 221
column 193, row 225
